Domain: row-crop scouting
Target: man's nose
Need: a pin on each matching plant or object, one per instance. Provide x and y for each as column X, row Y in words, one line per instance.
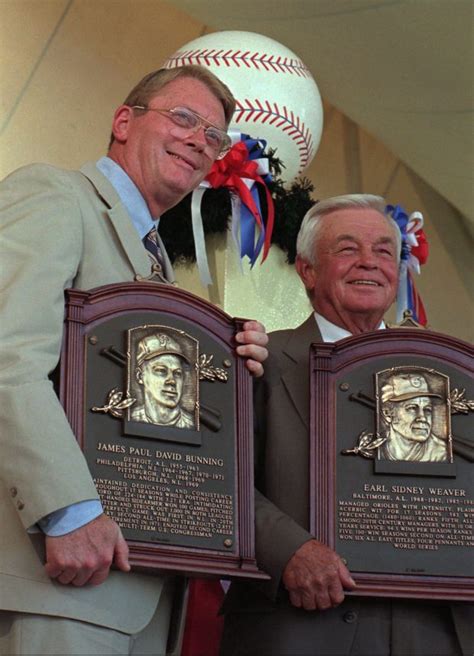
column 196, row 137
column 367, row 259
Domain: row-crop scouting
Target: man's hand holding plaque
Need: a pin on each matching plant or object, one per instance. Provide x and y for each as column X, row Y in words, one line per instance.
column 316, row 577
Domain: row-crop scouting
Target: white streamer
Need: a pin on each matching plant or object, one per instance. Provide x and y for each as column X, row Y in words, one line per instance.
column 402, row 296
column 235, row 226
column 198, row 234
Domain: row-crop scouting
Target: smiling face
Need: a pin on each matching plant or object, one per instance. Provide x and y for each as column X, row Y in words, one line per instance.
column 162, row 379
column 355, row 278
column 165, row 161
column 412, row 419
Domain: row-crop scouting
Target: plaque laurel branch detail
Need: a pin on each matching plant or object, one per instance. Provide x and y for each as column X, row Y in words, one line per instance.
column 367, row 445
column 207, row 371
column 116, row 403
column 459, row 404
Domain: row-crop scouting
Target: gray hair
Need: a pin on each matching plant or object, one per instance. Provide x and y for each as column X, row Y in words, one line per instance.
column 312, row 221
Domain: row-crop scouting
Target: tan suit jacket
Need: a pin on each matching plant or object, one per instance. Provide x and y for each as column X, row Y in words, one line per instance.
column 59, row 229
column 259, row 617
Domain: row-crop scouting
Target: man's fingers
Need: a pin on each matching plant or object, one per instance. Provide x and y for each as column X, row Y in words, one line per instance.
column 254, row 359
column 320, row 600
column 323, row 600
column 85, row 555
column 300, row 599
column 347, row 581
column 82, row 578
column 310, row 602
column 121, row 554
column 99, row 576
column 315, row 577
column 252, row 337
column 53, row 570
column 252, row 342
column 255, row 368
column 66, row 576
column 255, row 326
column 258, row 353
column 321, row 596
column 335, row 594
column 61, row 570
column 296, row 599
column 77, row 574
column 74, row 576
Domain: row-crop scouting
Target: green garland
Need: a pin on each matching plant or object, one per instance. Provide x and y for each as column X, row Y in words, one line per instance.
column 290, row 207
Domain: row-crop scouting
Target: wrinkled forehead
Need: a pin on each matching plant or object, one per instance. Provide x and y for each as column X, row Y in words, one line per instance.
column 193, row 94
column 357, row 223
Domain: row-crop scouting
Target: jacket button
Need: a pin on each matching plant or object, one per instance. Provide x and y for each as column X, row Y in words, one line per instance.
column 13, row 491
column 350, row 617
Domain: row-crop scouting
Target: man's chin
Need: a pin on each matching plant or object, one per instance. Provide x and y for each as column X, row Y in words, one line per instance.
column 169, row 404
column 184, row 182
column 419, row 438
column 367, row 305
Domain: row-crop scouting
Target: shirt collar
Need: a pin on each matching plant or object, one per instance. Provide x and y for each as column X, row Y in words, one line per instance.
column 129, row 195
column 332, row 333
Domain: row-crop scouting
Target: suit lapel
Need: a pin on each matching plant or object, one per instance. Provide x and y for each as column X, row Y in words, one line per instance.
column 121, row 222
column 295, row 377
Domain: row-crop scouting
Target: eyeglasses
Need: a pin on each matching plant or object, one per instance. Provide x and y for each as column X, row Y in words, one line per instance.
column 218, row 140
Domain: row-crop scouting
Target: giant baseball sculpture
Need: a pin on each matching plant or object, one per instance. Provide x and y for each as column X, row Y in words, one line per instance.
column 277, row 98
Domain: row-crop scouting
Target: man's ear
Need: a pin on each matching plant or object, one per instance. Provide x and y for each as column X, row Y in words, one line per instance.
column 138, row 375
column 306, row 272
column 121, row 124
column 387, row 415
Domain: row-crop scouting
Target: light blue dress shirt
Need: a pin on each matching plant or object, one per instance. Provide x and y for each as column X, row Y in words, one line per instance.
column 129, row 195
column 72, row 517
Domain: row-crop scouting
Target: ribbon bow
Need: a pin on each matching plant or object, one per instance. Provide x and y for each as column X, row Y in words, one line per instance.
column 241, row 171
column 414, row 253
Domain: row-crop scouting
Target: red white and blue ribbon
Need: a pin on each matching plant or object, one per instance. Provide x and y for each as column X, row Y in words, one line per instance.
column 414, row 254
column 242, row 171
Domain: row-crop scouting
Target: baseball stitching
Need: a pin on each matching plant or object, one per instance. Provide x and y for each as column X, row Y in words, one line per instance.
column 271, row 113
column 238, row 58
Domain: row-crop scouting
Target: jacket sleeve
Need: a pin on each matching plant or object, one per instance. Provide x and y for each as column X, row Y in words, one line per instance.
column 277, row 535
column 40, row 250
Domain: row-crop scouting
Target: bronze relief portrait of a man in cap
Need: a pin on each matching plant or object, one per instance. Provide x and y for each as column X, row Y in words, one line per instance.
column 412, row 415
column 162, row 377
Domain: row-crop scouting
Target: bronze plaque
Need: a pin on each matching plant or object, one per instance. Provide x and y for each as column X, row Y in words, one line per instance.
column 392, row 488
column 162, row 410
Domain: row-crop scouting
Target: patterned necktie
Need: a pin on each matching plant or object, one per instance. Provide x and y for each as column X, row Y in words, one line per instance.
column 154, row 251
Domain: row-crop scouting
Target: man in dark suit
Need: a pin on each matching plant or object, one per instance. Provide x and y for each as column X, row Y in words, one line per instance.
column 84, row 229
column 348, row 255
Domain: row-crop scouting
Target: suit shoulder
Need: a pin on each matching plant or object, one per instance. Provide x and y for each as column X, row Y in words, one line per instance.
column 279, row 338
column 42, row 195
column 41, row 175
column 277, row 342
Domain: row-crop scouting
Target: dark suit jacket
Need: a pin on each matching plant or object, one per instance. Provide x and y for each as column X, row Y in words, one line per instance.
column 282, row 519
column 59, row 229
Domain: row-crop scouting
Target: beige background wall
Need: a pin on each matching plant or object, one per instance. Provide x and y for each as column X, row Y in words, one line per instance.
column 66, row 65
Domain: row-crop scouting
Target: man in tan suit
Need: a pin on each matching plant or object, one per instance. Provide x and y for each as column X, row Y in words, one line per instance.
column 84, row 229
column 348, row 252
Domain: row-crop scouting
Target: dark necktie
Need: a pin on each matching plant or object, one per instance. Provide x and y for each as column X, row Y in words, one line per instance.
column 154, row 251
